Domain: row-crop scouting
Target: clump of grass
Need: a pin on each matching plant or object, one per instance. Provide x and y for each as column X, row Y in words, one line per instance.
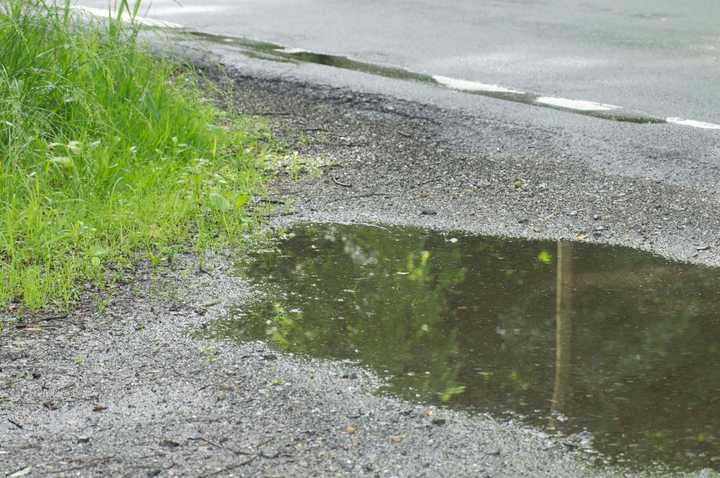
column 107, row 155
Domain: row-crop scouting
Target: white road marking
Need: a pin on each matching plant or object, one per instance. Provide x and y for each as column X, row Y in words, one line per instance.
column 187, row 9
column 580, row 105
column 693, row 123
column 105, row 13
column 473, row 86
column 291, row 51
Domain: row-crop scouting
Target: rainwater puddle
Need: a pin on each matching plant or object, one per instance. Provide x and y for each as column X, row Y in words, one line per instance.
column 618, row 346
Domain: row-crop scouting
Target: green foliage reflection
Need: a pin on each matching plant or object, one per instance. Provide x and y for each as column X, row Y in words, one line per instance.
column 473, row 321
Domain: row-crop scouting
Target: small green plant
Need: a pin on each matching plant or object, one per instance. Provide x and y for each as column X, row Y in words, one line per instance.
column 102, row 304
column 210, row 353
column 296, row 165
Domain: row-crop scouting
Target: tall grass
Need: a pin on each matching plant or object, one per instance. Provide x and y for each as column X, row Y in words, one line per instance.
column 107, row 155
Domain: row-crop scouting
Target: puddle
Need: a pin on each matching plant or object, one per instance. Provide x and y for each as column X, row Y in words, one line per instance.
column 618, row 346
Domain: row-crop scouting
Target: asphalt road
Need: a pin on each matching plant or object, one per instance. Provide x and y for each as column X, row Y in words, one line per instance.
column 659, row 57
column 649, row 60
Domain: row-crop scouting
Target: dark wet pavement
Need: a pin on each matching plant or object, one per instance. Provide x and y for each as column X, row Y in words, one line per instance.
column 616, row 348
column 278, row 53
column 660, row 58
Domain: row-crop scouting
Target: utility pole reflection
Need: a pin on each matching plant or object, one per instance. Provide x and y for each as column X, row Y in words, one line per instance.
column 564, row 328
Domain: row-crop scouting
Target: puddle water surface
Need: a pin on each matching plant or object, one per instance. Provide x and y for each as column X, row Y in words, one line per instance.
column 620, row 346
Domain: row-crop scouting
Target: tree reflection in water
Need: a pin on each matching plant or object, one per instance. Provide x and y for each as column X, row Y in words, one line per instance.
column 616, row 342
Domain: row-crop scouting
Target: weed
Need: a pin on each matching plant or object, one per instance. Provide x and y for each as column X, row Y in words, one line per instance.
column 297, row 166
column 210, row 353
column 108, row 156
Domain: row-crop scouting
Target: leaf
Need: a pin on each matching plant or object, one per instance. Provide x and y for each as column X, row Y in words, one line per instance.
column 75, row 147
column 241, row 200
column 100, row 251
column 62, row 161
column 219, row 202
column 545, row 257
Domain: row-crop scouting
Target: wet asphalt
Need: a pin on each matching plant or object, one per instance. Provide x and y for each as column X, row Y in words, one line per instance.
column 660, row 57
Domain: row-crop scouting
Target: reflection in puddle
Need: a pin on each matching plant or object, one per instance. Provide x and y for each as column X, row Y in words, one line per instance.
column 617, row 344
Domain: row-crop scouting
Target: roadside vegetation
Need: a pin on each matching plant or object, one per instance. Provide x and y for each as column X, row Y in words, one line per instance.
column 108, row 155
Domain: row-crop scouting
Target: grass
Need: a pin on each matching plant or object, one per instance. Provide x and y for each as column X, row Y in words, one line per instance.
column 108, row 156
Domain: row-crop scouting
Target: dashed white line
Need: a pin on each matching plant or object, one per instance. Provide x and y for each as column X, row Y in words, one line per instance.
column 126, row 17
column 293, row 51
column 579, row 105
column 693, row 123
column 473, row 86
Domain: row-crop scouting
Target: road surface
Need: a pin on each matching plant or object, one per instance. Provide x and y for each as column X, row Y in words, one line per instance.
column 654, row 66
column 661, row 57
